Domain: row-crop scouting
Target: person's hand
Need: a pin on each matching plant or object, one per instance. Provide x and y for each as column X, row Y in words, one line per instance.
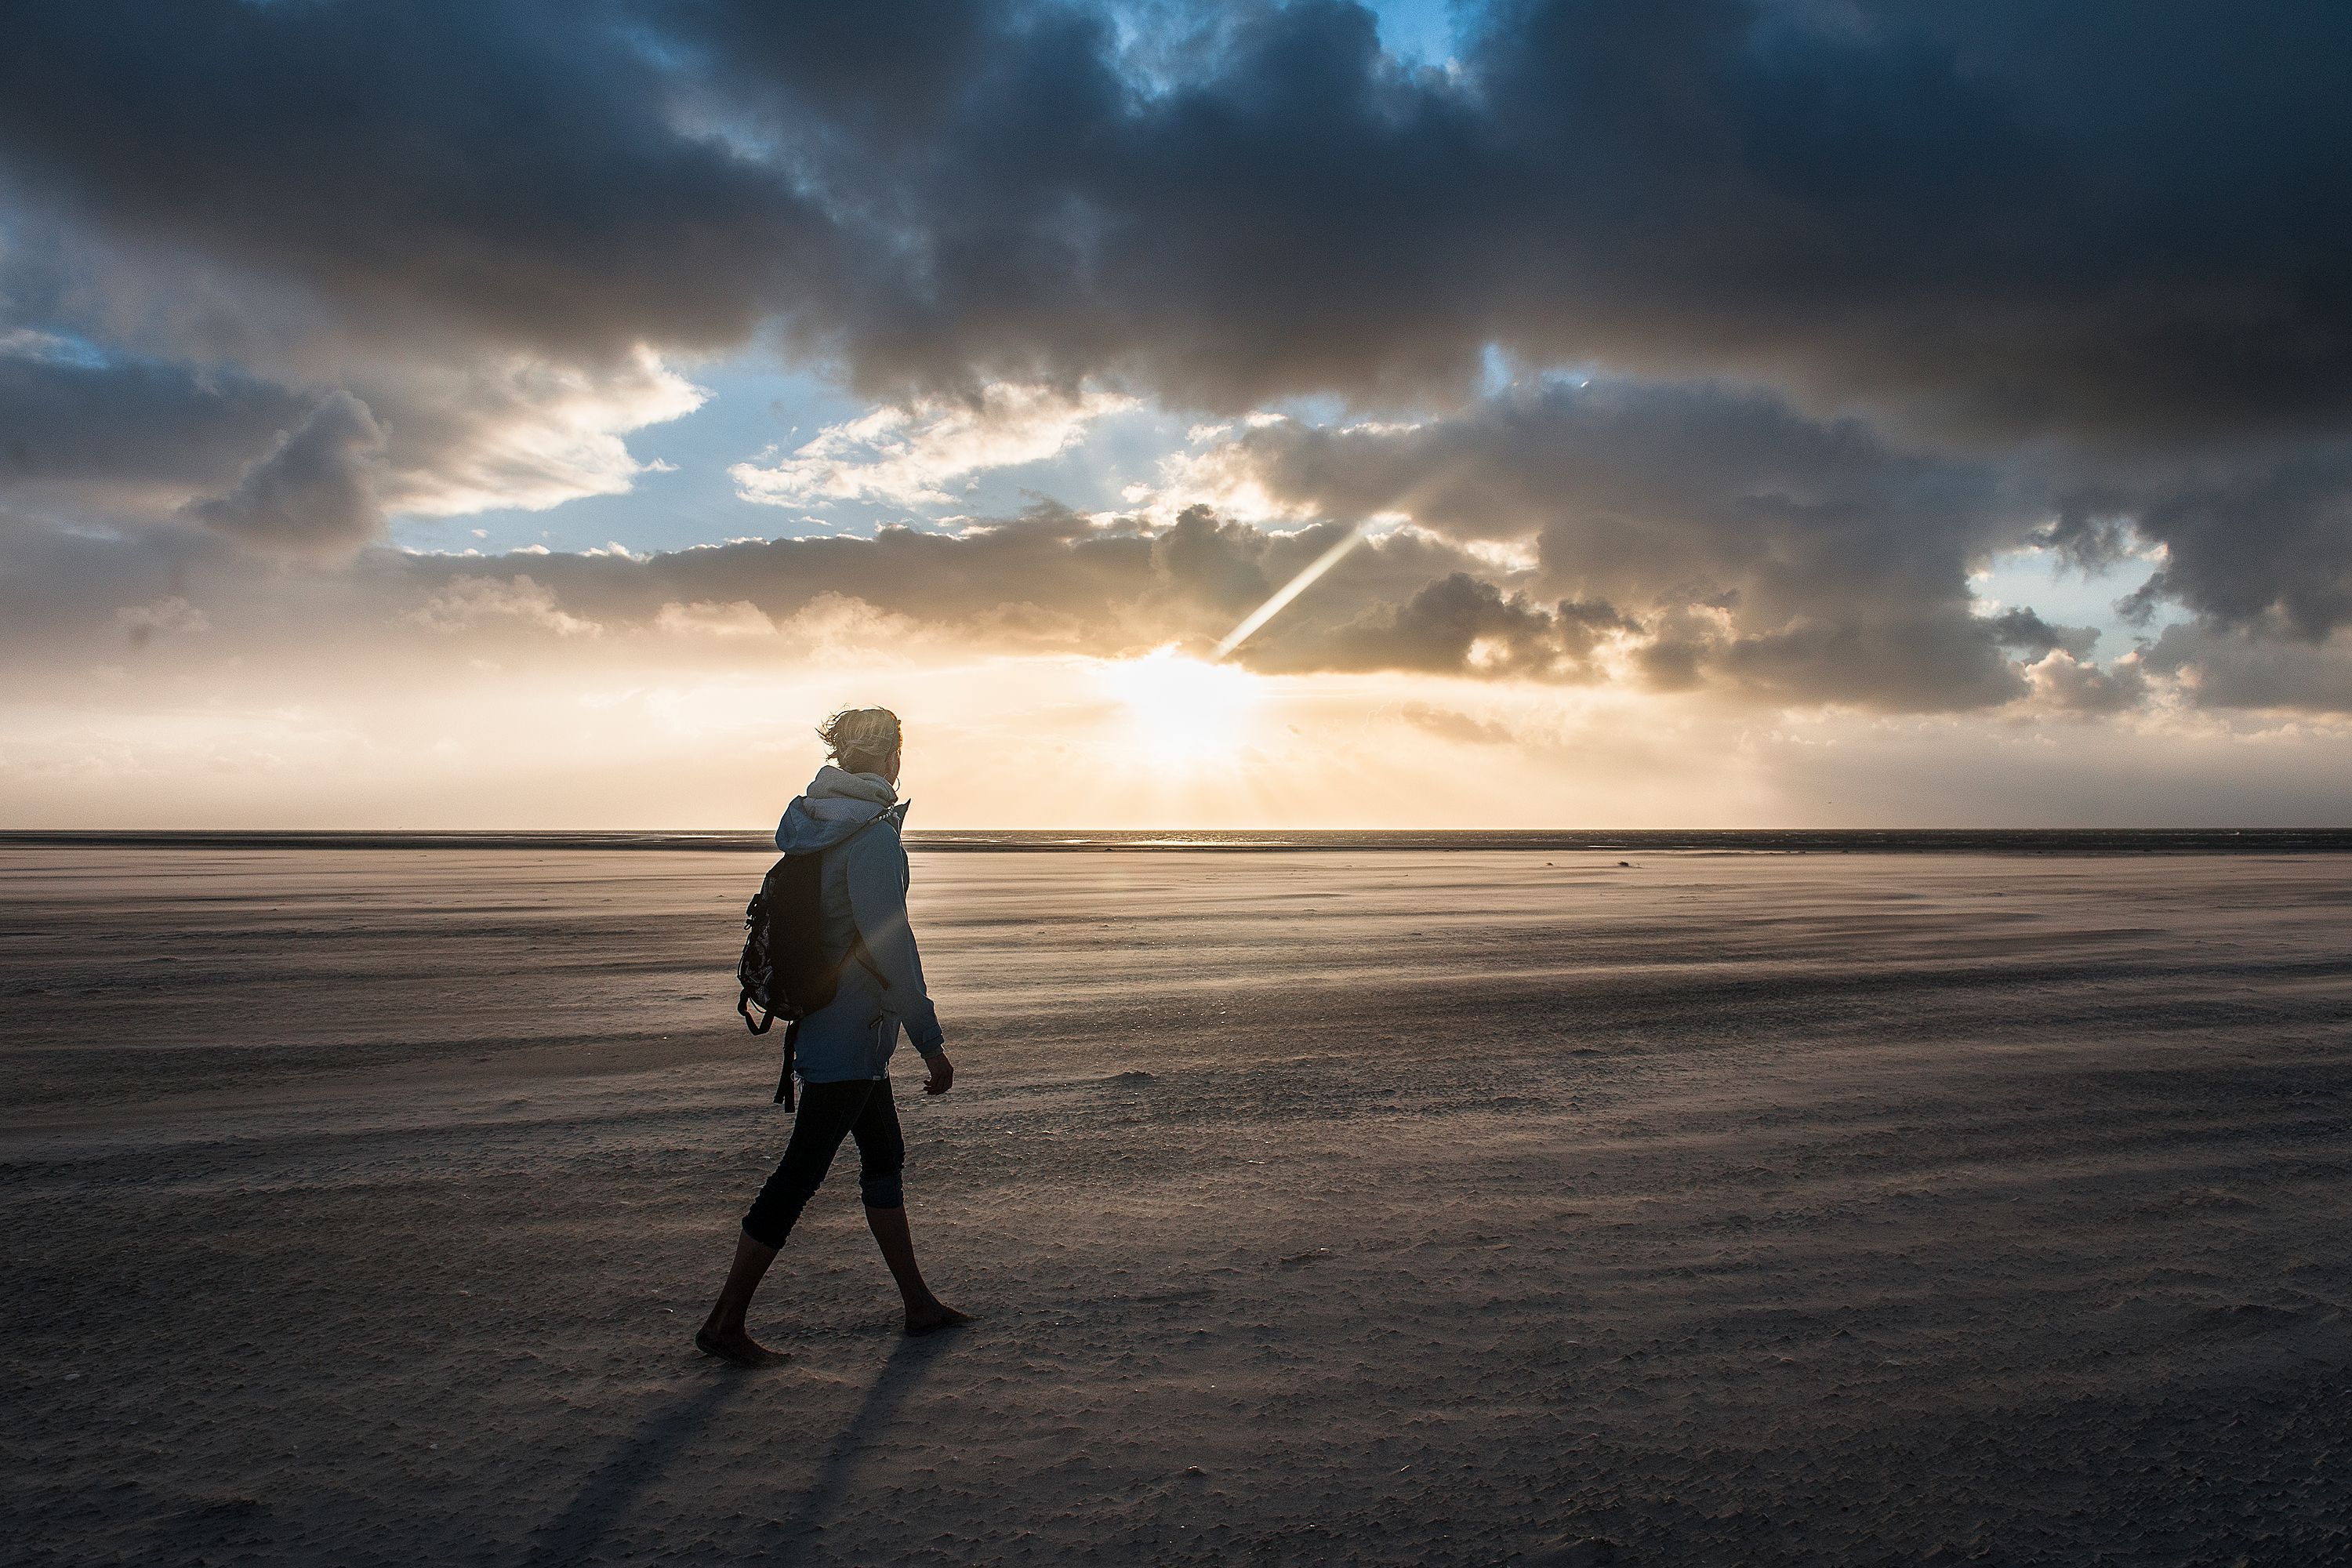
column 942, row 1077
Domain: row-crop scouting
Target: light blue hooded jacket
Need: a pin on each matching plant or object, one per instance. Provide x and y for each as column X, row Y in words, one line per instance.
column 863, row 895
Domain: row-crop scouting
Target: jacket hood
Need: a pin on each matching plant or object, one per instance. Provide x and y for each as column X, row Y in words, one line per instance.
column 835, row 804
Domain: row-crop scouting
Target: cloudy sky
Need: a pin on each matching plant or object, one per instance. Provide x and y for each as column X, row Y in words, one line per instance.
column 1790, row 412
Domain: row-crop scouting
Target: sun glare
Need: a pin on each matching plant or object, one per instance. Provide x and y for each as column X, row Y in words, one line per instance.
column 1181, row 710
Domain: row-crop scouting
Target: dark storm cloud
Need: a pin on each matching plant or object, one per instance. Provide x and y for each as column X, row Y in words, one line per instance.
column 506, row 168
column 2259, row 541
column 2126, row 219
column 1458, row 620
column 128, row 436
column 2107, row 247
column 2243, row 669
column 1046, row 581
column 314, row 493
column 1802, row 558
column 1051, row 579
column 2029, row 633
column 1406, row 602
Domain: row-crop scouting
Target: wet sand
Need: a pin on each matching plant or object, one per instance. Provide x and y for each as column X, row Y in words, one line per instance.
column 1464, row 1207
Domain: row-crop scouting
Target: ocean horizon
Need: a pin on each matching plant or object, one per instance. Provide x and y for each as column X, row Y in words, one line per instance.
column 1735, row 841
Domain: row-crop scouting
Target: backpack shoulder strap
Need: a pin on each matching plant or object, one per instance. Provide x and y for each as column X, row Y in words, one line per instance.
column 896, row 816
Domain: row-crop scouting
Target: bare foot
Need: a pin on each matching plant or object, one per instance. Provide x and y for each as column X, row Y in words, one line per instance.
column 737, row 1346
column 934, row 1317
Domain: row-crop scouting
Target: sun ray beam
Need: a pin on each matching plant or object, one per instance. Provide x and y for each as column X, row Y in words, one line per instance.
column 1287, row 592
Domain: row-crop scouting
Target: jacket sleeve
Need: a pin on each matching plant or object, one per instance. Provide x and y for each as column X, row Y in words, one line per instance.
column 877, row 899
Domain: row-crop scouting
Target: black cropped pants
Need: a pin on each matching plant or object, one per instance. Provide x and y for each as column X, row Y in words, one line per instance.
column 856, row 1108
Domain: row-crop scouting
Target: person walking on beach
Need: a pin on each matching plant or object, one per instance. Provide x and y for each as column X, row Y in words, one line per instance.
column 843, row 1050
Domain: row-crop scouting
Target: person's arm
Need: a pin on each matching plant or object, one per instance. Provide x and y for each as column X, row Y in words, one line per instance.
column 877, row 899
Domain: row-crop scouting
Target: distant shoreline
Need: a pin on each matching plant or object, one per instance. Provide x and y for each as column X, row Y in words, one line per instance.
column 1750, row 841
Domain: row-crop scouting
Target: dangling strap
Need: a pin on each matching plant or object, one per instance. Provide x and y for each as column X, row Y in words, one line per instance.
column 784, row 1083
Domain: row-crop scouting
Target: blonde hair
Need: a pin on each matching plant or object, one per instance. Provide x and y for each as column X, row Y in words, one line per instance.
column 860, row 740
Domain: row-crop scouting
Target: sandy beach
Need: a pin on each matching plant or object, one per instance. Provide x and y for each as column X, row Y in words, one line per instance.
column 1428, row 1207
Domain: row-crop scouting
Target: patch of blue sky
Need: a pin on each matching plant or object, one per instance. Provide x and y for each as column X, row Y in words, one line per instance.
column 2041, row 580
column 752, row 405
column 1421, row 32
column 1092, row 474
column 57, row 348
column 1157, row 40
column 759, row 414
column 1320, row 408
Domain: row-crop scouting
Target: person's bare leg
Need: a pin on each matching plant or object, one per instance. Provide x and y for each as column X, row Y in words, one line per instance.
column 925, row 1313
column 722, row 1333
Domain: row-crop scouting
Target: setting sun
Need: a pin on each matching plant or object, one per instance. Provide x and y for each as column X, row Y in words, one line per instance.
column 1182, row 709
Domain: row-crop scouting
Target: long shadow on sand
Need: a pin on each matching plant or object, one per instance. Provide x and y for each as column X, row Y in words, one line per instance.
column 902, row 1373
column 636, row 1464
